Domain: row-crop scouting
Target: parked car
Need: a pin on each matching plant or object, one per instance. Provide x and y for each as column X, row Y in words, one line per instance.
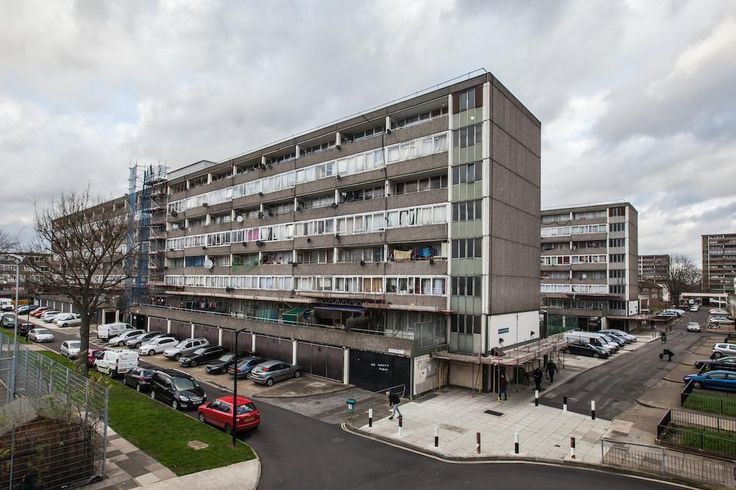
column 615, row 339
column 139, row 378
column 48, row 316
column 6, row 304
column 695, row 308
column 24, row 309
column 121, row 339
column 24, row 328
column 728, row 363
column 185, row 347
column 721, row 320
column 585, row 349
column 116, row 361
column 70, row 348
column 245, row 366
column 717, row 311
column 135, row 342
column 39, row 311
column 93, row 355
column 723, row 350
column 269, row 372
column 222, row 364
column 40, row 335
column 693, row 327
column 68, row 320
column 201, row 355
column 624, row 335
column 714, row 380
column 157, row 345
column 107, row 331
column 176, row 389
column 220, row 413
column 580, row 337
column 8, row 320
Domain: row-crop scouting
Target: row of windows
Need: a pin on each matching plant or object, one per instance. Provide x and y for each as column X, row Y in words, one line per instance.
column 466, row 286
column 571, row 259
column 574, row 288
column 419, row 118
column 467, row 210
column 574, row 230
column 348, row 225
column 467, row 173
column 467, row 248
column 424, row 184
column 422, row 285
column 468, row 136
column 352, row 164
column 467, row 324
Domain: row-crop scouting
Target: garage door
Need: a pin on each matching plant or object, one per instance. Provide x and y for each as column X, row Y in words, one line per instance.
column 274, row 348
column 373, row 371
column 158, row 324
column 320, row 360
column 181, row 330
column 244, row 341
column 208, row 332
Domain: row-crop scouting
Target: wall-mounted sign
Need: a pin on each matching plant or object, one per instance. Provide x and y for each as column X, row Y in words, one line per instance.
column 503, row 330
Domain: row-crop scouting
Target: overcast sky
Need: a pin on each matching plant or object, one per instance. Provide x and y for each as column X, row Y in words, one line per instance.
column 637, row 99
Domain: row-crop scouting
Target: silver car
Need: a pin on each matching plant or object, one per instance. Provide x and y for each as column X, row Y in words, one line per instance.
column 120, row 340
column 269, row 372
column 185, row 347
column 41, row 335
column 70, row 348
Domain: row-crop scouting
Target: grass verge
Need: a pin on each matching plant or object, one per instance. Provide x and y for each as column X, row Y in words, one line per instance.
column 720, row 443
column 711, row 402
column 163, row 433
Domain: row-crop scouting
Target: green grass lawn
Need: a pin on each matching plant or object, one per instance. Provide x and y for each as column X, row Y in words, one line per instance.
column 721, row 443
column 164, row 433
column 711, row 402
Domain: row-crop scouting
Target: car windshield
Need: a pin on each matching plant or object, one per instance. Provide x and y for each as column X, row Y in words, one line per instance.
column 245, row 408
column 199, row 351
column 226, row 357
column 183, row 384
column 41, row 331
column 75, row 344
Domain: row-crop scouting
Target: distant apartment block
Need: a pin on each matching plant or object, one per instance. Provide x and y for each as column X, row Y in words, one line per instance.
column 589, row 273
column 719, row 262
column 654, row 268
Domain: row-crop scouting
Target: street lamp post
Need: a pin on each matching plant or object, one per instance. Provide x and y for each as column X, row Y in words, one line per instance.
column 233, row 430
column 14, row 364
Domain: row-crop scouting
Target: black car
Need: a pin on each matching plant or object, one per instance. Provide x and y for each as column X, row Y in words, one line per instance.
column 201, row 355
column 139, row 378
column 24, row 328
column 222, row 363
column 176, row 389
column 727, row 363
column 585, row 350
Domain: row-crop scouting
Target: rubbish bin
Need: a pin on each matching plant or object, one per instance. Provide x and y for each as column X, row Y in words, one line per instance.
column 351, row 404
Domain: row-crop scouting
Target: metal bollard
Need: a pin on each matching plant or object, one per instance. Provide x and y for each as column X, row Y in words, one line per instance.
column 401, row 421
column 370, row 417
column 477, row 442
column 516, row 443
column 592, row 409
column 564, row 404
column 436, row 437
column 536, row 398
column 572, row 448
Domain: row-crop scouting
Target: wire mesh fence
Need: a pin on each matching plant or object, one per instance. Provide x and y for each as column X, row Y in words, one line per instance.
column 53, row 425
column 669, row 463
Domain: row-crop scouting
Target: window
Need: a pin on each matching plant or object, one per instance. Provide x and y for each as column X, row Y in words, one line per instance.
column 618, row 211
column 617, row 273
column 590, row 215
column 468, row 99
column 424, row 184
column 468, row 136
column 466, row 324
column 362, row 194
column 616, row 242
column 616, row 226
column 467, row 248
column 466, row 286
column 617, row 258
column 196, row 261
column 467, row 173
column 467, row 210
column 555, row 218
column 617, row 289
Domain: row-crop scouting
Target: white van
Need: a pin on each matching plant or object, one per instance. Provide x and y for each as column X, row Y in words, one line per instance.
column 6, row 304
column 114, row 362
column 109, row 330
column 588, row 338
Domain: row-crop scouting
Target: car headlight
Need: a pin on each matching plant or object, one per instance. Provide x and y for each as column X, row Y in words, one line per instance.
column 183, row 398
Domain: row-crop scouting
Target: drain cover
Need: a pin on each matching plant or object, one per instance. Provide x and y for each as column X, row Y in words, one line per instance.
column 493, row 412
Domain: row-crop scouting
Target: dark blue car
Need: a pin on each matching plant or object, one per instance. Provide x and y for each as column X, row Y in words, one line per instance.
column 714, row 380
column 246, row 366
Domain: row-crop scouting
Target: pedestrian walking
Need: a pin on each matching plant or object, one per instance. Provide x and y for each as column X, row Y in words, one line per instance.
column 664, row 337
column 551, row 370
column 393, row 402
column 537, row 375
column 503, row 384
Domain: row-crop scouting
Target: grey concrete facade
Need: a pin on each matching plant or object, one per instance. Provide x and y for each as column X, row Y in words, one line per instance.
column 719, row 263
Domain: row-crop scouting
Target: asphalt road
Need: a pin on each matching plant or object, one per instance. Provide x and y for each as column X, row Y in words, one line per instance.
column 299, row 452
column 616, row 384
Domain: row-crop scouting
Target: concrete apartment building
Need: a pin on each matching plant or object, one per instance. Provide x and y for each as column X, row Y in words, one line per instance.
column 362, row 250
column 719, row 263
column 589, row 270
column 654, row 268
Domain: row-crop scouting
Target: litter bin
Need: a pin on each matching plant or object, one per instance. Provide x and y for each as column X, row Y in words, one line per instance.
column 351, row 404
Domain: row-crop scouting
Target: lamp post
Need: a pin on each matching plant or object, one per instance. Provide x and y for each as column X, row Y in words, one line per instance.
column 233, row 430
column 14, row 364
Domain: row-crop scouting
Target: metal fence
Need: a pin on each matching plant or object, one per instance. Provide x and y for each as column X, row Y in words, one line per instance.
column 703, row 401
column 669, row 463
column 706, row 433
column 53, row 429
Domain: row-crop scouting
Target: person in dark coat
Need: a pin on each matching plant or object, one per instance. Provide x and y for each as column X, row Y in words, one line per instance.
column 551, row 370
column 393, row 402
column 668, row 353
column 537, row 375
column 503, row 384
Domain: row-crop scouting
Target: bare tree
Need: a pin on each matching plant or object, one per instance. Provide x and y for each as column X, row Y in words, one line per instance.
column 7, row 243
column 83, row 255
column 683, row 276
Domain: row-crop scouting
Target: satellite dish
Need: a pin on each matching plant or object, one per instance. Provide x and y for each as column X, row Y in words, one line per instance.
column 239, row 218
column 208, row 264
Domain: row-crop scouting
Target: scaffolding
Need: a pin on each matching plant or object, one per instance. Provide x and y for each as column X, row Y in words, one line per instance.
column 145, row 190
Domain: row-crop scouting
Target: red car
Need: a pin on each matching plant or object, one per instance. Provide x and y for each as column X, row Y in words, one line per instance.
column 39, row 311
column 220, row 413
column 93, row 355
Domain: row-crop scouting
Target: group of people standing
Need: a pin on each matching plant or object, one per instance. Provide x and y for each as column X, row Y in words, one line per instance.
column 549, row 371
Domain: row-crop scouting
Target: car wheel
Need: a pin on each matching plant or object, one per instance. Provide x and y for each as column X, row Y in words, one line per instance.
column 718, row 355
column 153, row 395
column 138, row 387
column 177, row 356
column 697, row 385
column 64, row 325
column 120, row 344
column 297, row 374
column 194, row 364
column 175, row 405
column 269, row 382
column 200, row 417
column 151, row 352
